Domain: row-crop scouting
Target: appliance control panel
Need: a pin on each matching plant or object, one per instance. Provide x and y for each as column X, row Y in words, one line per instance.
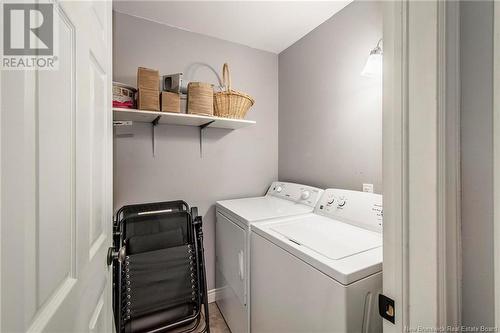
column 303, row 194
column 361, row 209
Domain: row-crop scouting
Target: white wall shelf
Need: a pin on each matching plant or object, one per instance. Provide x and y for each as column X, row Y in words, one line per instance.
column 182, row 119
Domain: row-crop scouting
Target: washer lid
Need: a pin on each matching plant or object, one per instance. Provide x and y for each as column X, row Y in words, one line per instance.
column 330, row 238
column 262, row 208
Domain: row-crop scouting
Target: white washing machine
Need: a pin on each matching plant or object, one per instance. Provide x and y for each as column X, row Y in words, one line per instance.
column 232, row 243
column 319, row 272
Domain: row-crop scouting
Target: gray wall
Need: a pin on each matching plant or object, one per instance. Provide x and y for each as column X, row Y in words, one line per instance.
column 477, row 162
column 330, row 117
column 235, row 163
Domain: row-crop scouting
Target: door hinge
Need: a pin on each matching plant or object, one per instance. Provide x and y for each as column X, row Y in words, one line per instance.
column 386, row 308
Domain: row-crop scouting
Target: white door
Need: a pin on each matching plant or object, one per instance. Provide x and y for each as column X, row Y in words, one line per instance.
column 56, row 181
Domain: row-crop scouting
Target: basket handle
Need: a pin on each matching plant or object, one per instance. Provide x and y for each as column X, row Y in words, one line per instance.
column 226, row 77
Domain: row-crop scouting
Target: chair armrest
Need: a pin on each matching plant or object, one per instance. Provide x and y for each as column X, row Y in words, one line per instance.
column 194, row 212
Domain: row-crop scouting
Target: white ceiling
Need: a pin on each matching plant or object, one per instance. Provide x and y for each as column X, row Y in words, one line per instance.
column 267, row 25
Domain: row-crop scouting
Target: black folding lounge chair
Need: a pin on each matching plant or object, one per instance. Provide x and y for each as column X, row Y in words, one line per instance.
column 159, row 278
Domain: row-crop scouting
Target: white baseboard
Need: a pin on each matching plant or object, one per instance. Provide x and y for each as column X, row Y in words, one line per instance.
column 212, row 295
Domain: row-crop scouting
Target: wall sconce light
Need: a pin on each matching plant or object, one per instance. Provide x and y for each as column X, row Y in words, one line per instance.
column 373, row 66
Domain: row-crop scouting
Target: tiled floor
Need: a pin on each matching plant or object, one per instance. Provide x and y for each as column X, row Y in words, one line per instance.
column 217, row 322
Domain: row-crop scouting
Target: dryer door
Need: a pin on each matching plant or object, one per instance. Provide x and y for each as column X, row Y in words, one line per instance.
column 231, row 272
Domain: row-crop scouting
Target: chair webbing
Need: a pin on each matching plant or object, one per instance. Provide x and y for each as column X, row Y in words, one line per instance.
column 159, row 280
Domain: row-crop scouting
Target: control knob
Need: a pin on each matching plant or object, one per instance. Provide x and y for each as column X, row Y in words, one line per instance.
column 341, row 202
column 305, row 195
column 279, row 189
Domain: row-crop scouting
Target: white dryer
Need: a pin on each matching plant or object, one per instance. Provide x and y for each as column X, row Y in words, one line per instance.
column 232, row 243
column 319, row 272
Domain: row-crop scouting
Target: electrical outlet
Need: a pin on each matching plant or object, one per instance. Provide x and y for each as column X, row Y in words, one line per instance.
column 118, row 123
column 368, row 188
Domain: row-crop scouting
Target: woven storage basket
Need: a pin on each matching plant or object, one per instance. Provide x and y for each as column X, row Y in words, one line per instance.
column 200, row 98
column 231, row 103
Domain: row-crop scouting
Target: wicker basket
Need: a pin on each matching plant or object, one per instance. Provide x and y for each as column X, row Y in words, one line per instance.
column 231, row 103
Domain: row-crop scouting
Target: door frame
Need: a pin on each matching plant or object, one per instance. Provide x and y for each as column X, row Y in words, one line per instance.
column 421, row 163
column 496, row 156
column 1, row 163
column 450, row 166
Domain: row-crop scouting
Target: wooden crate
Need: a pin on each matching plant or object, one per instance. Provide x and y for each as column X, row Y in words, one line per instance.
column 148, row 99
column 170, row 102
column 148, row 79
column 200, row 98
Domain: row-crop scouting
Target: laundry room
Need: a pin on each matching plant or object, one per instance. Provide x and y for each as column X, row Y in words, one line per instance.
column 249, row 166
column 316, row 119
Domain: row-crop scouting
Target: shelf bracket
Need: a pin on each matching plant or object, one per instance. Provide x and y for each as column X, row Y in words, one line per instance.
column 154, row 123
column 202, row 127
